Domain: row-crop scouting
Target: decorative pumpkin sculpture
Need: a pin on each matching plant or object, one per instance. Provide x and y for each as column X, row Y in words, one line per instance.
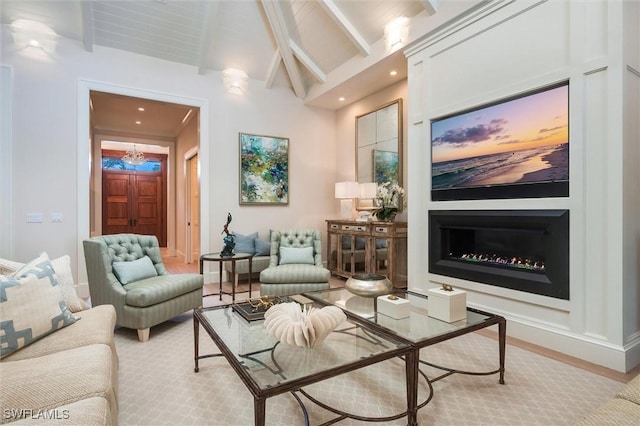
column 303, row 326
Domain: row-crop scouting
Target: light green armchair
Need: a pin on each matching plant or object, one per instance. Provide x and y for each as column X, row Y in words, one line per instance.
column 126, row 271
column 295, row 265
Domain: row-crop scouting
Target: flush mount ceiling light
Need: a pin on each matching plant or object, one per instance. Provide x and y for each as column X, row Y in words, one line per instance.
column 235, row 81
column 396, row 33
column 134, row 157
column 32, row 34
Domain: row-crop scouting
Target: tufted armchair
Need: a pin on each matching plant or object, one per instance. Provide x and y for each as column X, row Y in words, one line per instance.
column 126, row 271
column 295, row 264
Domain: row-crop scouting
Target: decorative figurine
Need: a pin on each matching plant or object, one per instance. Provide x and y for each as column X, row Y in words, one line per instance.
column 229, row 239
column 447, row 287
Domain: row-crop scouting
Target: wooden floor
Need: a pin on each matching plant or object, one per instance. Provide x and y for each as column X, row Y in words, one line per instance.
column 175, row 264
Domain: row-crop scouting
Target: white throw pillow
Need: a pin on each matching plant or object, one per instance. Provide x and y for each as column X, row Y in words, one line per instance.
column 289, row 255
column 8, row 267
column 135, row 270
column 32, row 305
column 62, row 266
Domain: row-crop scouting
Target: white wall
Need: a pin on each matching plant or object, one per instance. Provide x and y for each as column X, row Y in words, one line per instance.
column 5, row 161
column 46, row 168
column 513, row 48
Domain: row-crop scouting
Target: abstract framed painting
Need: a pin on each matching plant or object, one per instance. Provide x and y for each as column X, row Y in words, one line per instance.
column 385, row 166
column 264, row 169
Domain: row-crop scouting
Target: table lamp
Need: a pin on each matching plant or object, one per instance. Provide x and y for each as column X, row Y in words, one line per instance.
column 368, row 192
column 346, row 192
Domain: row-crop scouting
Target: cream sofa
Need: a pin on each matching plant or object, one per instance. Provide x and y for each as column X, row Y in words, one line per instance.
column 622, row 409
column 67, row 377
column 69, row 374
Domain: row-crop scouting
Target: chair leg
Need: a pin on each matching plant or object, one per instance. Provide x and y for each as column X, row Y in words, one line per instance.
column 143, row 335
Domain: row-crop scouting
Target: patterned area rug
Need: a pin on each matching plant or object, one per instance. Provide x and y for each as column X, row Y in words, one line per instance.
column 157, row 386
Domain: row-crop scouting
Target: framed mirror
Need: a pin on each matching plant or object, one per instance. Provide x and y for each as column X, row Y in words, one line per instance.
column 379, row 144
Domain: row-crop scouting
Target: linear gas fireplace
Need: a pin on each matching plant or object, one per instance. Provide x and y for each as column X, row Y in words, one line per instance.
column 525, row 250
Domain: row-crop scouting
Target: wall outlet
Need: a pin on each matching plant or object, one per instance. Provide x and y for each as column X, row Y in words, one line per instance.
column 34, row 217
column 56, row 217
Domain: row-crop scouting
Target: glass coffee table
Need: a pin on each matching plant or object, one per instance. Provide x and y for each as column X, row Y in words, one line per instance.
column 268, row 368
column 419, row 330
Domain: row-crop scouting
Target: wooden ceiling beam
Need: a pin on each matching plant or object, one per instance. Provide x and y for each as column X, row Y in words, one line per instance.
column 208, row 20
column 87, row 25
column 308, row 62
column 431, row 6
column 279, row 29
column 272, row 71
column 346, row 26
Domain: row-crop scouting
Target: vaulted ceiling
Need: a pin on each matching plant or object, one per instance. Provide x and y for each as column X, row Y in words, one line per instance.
column 294, row 43
column 321, row 49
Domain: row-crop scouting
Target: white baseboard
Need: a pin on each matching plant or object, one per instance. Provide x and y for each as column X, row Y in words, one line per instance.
column 608, row 355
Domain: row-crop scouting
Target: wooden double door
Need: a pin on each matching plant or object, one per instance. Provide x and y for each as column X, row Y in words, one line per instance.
column 134, row 202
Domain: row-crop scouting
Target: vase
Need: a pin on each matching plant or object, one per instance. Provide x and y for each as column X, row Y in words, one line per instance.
column 368, row 285
column 386, row 214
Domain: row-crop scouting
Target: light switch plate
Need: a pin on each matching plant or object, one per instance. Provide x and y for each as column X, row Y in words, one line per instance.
column 34, row 217
column 56, row 217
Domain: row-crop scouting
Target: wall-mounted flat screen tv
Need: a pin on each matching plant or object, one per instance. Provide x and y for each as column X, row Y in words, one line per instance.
column 514, row 148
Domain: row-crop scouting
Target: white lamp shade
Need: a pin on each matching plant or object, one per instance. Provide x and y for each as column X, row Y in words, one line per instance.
column 347, row 190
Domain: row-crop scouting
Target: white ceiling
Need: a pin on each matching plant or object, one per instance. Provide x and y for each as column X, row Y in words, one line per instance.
column 320, row 49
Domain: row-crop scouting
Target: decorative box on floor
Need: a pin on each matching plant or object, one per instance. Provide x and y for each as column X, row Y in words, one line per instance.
column 448, row 304
column 393, row 306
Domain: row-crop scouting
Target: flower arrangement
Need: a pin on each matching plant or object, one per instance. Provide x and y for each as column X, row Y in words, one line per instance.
column 389, row 197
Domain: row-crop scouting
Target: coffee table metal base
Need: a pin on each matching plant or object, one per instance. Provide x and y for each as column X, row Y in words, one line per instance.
column 260, row 401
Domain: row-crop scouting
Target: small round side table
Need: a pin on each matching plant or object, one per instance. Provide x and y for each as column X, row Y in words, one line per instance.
column 216, row 257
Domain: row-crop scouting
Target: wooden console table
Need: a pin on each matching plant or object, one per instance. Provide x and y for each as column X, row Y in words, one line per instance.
column 368, row 247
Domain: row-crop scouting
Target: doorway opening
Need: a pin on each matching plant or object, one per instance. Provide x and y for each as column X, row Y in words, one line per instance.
column 90, row 133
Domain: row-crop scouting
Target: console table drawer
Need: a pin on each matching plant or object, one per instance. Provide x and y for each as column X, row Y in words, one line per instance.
column 355, row 228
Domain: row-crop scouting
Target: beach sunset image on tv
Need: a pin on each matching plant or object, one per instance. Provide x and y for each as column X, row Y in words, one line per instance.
column 519, row 141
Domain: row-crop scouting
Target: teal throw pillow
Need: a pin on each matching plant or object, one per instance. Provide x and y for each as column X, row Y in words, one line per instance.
column 299, row 255
column 245, row 243
column 263, row 248
column 134, row 270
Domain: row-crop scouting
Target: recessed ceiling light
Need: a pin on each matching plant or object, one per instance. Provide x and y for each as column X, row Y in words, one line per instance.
column 138, row 122
column 394, row 72
column 140, row 109
column 341, row 98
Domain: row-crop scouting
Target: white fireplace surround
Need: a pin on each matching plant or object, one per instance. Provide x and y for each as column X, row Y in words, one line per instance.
column 511, row 48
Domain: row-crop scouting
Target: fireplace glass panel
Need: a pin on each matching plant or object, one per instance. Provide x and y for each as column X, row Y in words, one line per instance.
column 496, row 247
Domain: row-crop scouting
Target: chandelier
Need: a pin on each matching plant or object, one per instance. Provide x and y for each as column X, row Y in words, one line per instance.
column 134, row 157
